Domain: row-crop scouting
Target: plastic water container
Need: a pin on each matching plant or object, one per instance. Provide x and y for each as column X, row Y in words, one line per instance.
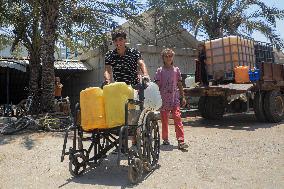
column 254, row 74
column 116, row 95
column 189, row 81
column 92, row 109
column 241, row 74
column 153, row 100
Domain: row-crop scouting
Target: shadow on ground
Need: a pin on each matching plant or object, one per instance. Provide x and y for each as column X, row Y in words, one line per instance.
column 246, row 122
column 27, row 137
column 168, row 147
column 107, row 174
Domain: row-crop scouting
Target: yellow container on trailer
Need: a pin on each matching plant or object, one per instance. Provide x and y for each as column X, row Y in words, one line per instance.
column 92, row 109
column 116, row 95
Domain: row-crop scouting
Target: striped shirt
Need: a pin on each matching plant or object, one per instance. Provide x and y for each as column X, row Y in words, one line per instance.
column 124, row 68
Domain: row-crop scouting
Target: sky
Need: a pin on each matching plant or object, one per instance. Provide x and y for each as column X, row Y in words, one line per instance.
column 256, row 35
column 279, row 25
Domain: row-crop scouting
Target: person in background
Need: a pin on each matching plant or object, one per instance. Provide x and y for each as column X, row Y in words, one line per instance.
column 58, row 88
column 202, row 64
column 168, row 78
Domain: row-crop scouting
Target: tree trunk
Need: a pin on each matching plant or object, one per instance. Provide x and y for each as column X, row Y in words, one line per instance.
column 34, row 66
column 32, row 41
column 50, row 13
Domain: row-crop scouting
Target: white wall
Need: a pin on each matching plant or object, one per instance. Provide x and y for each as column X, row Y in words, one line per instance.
column 184, row 59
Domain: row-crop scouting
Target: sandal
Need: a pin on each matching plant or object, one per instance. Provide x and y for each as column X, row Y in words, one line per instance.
column 182, row 145
column 166, row 142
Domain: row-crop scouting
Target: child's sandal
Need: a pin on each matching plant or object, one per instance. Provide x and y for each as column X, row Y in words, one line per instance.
column 166, row 142
column 182, row 145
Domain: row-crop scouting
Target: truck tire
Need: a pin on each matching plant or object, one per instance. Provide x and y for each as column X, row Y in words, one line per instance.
column 274, row 106
column 202, row 107
column 258, row 107
column 215, row 107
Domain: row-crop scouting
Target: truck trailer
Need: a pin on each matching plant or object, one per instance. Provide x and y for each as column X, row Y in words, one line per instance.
column 243, row 76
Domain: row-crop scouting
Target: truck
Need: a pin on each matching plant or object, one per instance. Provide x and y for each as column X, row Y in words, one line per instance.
column 243, row 76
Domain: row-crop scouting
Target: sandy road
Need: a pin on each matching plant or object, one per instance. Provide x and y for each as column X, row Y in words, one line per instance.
column 236, row 152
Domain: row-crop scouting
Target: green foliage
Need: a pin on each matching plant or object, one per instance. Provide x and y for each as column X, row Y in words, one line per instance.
column 83, row 24
column 21, row 23
column 216, row 18
column 4, row 41
column 17, row 53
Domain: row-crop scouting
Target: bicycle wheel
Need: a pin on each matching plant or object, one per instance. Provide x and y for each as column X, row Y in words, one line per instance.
column 21, row 108
column 17, row 126
column 58, row 124
column 2, row 110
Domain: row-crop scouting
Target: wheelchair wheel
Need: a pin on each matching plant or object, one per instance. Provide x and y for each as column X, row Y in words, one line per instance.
column 135, row 171
column 77, row 164
column 151, row 142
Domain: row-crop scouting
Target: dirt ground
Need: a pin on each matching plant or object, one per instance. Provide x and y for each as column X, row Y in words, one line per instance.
column 236, row 152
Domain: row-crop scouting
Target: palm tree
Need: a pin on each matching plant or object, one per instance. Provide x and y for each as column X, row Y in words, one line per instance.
column 79, row 19
column 49, row 25
column 217, row 18
column 38, row 25
column 20, row 22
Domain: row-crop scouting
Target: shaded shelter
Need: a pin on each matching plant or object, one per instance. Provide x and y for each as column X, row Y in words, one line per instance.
column 13, row 79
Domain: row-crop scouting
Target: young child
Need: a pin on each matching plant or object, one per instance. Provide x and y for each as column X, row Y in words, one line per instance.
column 57, row 88
column 168, row 78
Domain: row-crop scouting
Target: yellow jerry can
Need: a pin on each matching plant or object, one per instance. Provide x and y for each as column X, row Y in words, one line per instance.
column 92, row 109
column 116, row 95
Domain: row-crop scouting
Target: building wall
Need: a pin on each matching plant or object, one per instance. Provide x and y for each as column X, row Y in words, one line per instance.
column 184, row 59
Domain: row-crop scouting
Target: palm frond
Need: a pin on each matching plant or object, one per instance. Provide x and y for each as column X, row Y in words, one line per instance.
column 267, row 31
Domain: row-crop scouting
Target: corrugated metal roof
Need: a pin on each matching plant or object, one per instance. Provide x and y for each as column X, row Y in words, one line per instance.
column 15, row 64
column 60, row 64
column 71, row 65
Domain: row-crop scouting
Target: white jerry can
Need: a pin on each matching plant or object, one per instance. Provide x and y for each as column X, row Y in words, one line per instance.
column 190, row 81
column 153, row 100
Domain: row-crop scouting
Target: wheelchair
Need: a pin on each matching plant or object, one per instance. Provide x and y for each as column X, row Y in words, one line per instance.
column 142, row 155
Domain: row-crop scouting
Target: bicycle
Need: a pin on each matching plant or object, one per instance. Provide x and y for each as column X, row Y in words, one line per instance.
column 48, row 122
column 57, row 122
column 24, row 107
column 7, row 110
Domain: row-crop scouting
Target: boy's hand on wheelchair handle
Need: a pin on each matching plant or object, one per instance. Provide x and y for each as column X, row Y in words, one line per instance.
column 146, row 78
column 106, row 82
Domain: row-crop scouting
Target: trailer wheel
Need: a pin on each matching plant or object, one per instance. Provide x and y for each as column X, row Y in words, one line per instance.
column 274, row 106
column 202, row 106
column 258, row 107
column 215, row 107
